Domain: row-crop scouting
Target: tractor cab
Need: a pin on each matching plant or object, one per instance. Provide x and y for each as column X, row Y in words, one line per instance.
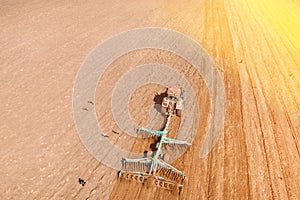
column 173, row 103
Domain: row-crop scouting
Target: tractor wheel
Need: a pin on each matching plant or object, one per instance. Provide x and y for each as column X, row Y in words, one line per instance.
column 178, row 112
column 163, row 110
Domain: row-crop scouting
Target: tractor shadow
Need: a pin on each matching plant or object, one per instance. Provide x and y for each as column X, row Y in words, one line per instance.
column 158, row 99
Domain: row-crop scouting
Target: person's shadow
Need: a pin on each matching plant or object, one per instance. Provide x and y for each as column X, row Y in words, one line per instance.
column 81, row 181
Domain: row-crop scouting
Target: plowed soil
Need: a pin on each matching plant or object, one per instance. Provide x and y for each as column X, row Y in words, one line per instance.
column 255, row 45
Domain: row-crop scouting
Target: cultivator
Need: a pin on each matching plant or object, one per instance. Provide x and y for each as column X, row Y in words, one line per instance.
column 165, row 175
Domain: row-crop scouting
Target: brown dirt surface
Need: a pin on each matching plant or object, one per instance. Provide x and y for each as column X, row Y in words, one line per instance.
column 254, row 43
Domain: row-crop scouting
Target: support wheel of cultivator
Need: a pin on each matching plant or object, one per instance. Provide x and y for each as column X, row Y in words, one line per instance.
column 139, row 178
column 164, row 184
column 121, row 176
column 180, row 188
column 134, row 177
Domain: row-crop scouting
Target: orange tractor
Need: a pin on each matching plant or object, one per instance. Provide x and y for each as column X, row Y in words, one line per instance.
column 173, row 103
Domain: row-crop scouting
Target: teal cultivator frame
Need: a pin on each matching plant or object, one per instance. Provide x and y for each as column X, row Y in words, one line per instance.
column 165, row 175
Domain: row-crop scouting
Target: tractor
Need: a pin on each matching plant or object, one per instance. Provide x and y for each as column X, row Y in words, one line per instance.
column 173, row 102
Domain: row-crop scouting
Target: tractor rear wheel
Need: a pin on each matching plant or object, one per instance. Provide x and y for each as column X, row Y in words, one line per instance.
column 178, row 113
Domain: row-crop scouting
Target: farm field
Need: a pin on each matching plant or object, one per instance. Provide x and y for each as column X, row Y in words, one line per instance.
column 254, row 44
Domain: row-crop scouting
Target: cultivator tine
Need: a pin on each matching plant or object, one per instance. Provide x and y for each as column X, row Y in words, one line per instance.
column 175, row 148
column 140, row 165
column 175, row 142
column 169, row 172
column 146, row 133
